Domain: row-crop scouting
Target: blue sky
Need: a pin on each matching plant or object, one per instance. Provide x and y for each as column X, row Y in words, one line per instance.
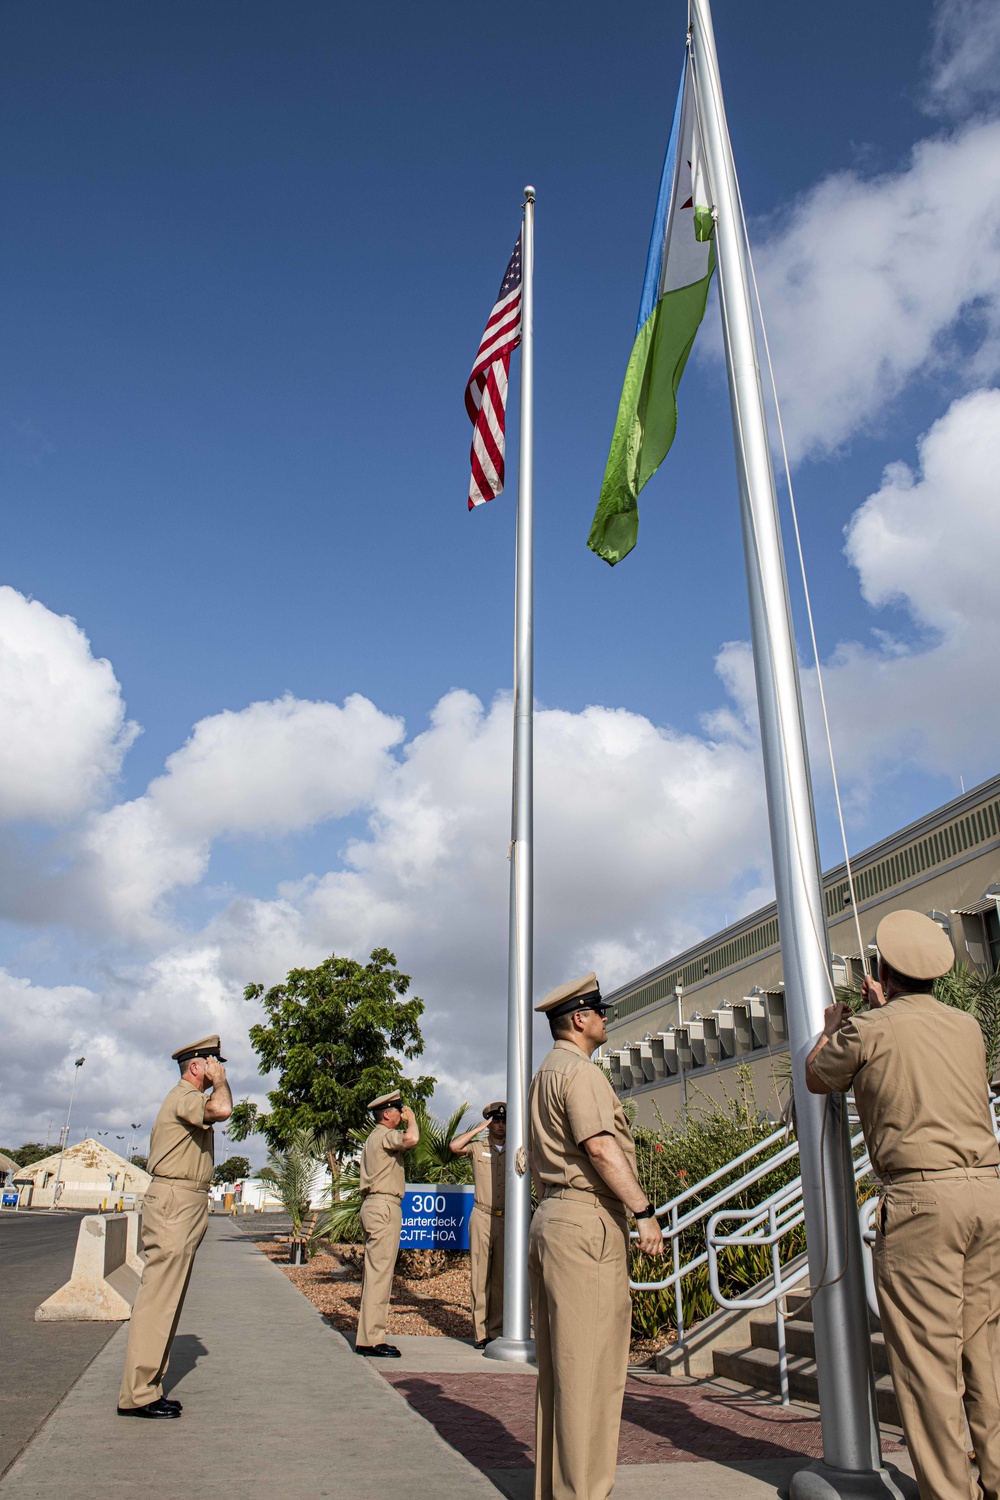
column 247, row 257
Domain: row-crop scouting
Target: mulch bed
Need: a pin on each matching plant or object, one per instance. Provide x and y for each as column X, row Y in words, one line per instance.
column 435, row 1306
column 490, row 1420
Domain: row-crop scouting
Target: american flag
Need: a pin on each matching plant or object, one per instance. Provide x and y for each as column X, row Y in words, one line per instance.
column 486, row 392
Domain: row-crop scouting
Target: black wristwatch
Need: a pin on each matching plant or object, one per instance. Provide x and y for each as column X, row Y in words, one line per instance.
column 648, row 1212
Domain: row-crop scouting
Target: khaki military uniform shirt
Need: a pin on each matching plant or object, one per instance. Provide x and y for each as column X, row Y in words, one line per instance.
column 570, row 1100
column 182, row 1142
column 489, row 1174
column 918, row 1070
column 382, row 1163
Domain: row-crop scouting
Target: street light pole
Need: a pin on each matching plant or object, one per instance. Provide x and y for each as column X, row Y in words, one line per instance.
column 65, row 1130
column 678, row 993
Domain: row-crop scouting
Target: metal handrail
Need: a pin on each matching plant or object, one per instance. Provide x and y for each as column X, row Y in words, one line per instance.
column 782, row 1213
column 680, row 1221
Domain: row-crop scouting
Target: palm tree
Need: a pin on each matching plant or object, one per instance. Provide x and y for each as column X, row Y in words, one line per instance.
column 290, row 1174
column 979, row 994
column 431, row 1160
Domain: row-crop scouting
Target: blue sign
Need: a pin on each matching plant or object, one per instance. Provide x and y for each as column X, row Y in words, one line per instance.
column 436, row 1216
column 10, row 1201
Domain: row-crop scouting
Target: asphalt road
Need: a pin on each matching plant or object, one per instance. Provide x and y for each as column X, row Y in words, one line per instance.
column 39, row 1362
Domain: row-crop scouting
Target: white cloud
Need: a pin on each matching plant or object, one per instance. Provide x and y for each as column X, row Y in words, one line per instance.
column 637, row 832
column 64, row 731
column 931, row 538
column 644, row 837
column 865, row 281
column 928, row 541
column 965, row 55
column 272, row 768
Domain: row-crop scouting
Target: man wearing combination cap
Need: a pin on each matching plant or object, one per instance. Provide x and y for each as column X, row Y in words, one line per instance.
column 383, row 1183
column 486, row 1228
column 918, row 1071
column 583, row 1161
column 174, row 1220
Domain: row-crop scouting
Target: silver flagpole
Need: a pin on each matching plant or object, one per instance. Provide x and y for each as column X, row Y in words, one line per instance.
column 517, row 1343
column 852, row 1461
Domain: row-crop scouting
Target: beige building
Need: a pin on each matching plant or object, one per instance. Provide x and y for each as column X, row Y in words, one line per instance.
column 92, row 1177
column 681, row 1029
column 8, row 1169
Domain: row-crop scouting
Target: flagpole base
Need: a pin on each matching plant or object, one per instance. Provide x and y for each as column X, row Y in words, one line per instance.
column 821, row 1482
column 511, row 1351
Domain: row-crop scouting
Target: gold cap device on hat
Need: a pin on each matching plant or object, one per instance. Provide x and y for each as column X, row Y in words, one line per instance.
column 578, row 994
column 914, row 945
column 209, row 1046
column 498, row 1107
column 394, row 1098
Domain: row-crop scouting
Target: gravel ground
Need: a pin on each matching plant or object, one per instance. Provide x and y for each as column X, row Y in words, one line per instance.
column 434, row 1306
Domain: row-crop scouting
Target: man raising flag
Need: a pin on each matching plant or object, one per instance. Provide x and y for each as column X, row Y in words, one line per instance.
column 486, row 392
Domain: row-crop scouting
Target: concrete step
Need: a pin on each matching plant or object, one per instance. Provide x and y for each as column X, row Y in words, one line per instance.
column 799, row 1339
column 757, row 1367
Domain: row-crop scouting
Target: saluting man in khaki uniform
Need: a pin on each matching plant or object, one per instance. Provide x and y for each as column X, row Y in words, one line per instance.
column 174, row 1220
column 383, row 1183
column 583, row 1161
column 918, row 1071
column 486, row 1229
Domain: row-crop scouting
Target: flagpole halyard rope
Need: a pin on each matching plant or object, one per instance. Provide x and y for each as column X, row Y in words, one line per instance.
column 805, row 583
column 820, row 938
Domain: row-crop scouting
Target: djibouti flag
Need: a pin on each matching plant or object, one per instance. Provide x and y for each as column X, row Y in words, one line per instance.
column 678, row 271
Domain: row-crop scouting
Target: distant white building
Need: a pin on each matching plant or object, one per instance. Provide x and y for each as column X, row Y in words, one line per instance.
column 261, row 1197
column 92, row 1177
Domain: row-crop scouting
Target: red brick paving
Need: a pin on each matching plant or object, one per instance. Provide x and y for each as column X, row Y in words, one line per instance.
column 490, row 1420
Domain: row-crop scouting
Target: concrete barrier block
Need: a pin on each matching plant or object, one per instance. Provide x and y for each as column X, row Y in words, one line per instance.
column 106, row 1272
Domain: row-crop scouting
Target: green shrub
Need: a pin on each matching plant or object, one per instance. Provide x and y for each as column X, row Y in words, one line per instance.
column 676, row 1157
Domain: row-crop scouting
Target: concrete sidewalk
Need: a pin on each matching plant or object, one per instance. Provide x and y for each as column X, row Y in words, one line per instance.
column 278, row 1403
column 274, row 1400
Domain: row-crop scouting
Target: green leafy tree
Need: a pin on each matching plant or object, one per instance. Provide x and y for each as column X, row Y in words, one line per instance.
column 138, row 1160
column 235, row 1169
column 334, row 1035
column 32, row 1151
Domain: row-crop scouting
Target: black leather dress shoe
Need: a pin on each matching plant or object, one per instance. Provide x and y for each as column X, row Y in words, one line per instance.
column 155, row 1410
column 378, row 1351
column 169, row 1401
column 480, row 1343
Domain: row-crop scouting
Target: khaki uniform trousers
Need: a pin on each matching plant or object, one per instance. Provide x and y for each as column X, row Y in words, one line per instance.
column 381, row 1220
column 174, row 1220
column 937, row 1276
column 578, row 1267
column 486, row 1271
